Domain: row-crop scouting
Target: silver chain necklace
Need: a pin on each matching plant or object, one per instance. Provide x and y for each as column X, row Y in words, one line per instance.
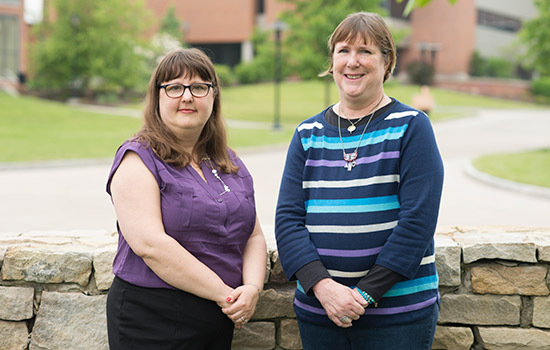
column 351, row 157
column 215, row 173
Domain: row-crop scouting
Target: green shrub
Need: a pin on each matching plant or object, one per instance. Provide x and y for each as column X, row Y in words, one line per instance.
column 499, row 68
column 107, row 99
column 225, row 74
column 420, row 73
column 477, row 65
column 251, row 72
column 491, row 67
column 541, row 89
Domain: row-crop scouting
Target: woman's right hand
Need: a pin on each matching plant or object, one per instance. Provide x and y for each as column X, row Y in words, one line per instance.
column 338, row 301
column 226, row 302
column 244, row 300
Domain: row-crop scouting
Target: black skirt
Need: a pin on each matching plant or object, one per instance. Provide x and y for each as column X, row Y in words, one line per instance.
column 164, row 319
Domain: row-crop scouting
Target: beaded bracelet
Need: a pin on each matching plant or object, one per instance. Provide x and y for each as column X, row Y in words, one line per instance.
column 366, row 295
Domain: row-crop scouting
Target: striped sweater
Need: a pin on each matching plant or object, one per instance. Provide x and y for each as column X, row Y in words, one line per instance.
column 384, row 211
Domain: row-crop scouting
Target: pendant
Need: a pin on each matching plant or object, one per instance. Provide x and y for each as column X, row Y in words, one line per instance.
column 351, row 128
column 349, row 165
column 225, row 187
column 350, row 157
column 350, row 160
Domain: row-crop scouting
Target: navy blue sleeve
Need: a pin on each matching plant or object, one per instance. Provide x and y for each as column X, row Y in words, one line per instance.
column 293, row 242
column 419, row 195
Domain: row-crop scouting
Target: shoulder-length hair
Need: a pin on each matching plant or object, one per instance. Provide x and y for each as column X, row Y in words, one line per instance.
column 154, row 133
column 371, row 28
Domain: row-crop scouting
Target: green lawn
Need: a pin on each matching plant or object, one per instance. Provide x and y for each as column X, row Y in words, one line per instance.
column 34, row 129
column 531, row 167
column 300, row 100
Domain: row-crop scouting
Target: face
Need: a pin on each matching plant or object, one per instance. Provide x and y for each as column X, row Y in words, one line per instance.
column 186, row 113
column 358, row 69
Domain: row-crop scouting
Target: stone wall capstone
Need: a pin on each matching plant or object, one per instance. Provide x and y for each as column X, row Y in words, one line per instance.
column 494, row 288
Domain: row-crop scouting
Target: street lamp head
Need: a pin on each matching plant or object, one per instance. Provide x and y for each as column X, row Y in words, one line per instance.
column 279, row 25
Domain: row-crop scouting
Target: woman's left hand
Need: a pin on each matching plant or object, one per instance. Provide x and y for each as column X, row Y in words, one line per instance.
column 243, row 304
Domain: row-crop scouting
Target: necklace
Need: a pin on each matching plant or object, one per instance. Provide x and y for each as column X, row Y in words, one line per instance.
column 351, row 157
column 353, row 126
column 215, row 173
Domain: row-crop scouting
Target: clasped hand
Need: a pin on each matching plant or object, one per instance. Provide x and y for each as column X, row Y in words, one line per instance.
column 241, row 304
column 342, row 304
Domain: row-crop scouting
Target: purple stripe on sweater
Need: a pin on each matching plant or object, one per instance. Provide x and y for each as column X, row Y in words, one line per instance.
column 362, row 160
column 349, row 253
column 375, row 158
column 400, row 309
column 309, row 308
column 373, row 310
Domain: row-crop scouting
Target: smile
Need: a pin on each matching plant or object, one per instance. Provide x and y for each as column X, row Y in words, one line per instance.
column 353, row 76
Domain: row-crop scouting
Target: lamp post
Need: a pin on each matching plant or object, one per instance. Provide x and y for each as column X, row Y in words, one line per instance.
column 278, row 26
column 75, row 23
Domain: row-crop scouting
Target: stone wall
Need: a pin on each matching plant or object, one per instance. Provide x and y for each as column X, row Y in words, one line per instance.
column 501, row 88
column 494, row 292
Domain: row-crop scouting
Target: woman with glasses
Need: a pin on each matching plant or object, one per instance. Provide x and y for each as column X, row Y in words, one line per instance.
column 358, row 206
column 191, row 256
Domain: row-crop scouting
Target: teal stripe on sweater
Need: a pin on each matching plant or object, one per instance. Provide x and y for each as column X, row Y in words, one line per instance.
column 413, row 286
column 370, row 138
column 357, row 205
column 403, row 288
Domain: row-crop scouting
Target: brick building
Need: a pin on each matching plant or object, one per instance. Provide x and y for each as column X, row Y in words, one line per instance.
column 222, row 27
column 14, row 38
column 447, row 35
column 444, row 34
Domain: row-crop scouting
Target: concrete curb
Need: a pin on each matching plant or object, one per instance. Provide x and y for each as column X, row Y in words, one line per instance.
column 59, row 163
column 532, row 190
column 55, row 163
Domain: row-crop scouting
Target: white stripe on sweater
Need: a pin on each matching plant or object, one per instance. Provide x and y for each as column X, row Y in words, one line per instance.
column 352, row 229
column 309, row 126
column 359, row 274
column 351, row 183
column 398, row 115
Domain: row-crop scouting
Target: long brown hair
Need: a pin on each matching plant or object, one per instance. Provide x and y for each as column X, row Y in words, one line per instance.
column 213, row 140
column 371, row 28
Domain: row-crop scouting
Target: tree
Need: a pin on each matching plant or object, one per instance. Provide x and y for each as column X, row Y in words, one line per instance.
column 412, row 4
column 311, row 22
column 168, row 38
column 171, row 24
column 536, row 36
column 90, row 47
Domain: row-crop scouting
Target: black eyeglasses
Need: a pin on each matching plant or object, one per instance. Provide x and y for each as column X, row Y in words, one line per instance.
column 177, row 90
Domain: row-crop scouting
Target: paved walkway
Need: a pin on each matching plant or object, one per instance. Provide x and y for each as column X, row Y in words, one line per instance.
column 73, row 196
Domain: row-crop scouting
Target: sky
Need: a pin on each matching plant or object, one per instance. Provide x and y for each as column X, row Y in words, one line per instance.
column 33, row 11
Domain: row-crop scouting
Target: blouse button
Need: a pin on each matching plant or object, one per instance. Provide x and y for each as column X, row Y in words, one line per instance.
column 220, row 200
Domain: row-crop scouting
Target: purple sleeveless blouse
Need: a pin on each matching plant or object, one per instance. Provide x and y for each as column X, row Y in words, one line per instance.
column 214, row 228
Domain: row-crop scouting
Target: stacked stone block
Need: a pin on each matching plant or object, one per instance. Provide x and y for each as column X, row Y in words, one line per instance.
column 498, row 296
column 493, row 281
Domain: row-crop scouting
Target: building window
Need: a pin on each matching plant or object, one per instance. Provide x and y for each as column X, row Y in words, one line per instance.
column 9, row 45
column 496, row 21
column 260, row 7
column 226, row 53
